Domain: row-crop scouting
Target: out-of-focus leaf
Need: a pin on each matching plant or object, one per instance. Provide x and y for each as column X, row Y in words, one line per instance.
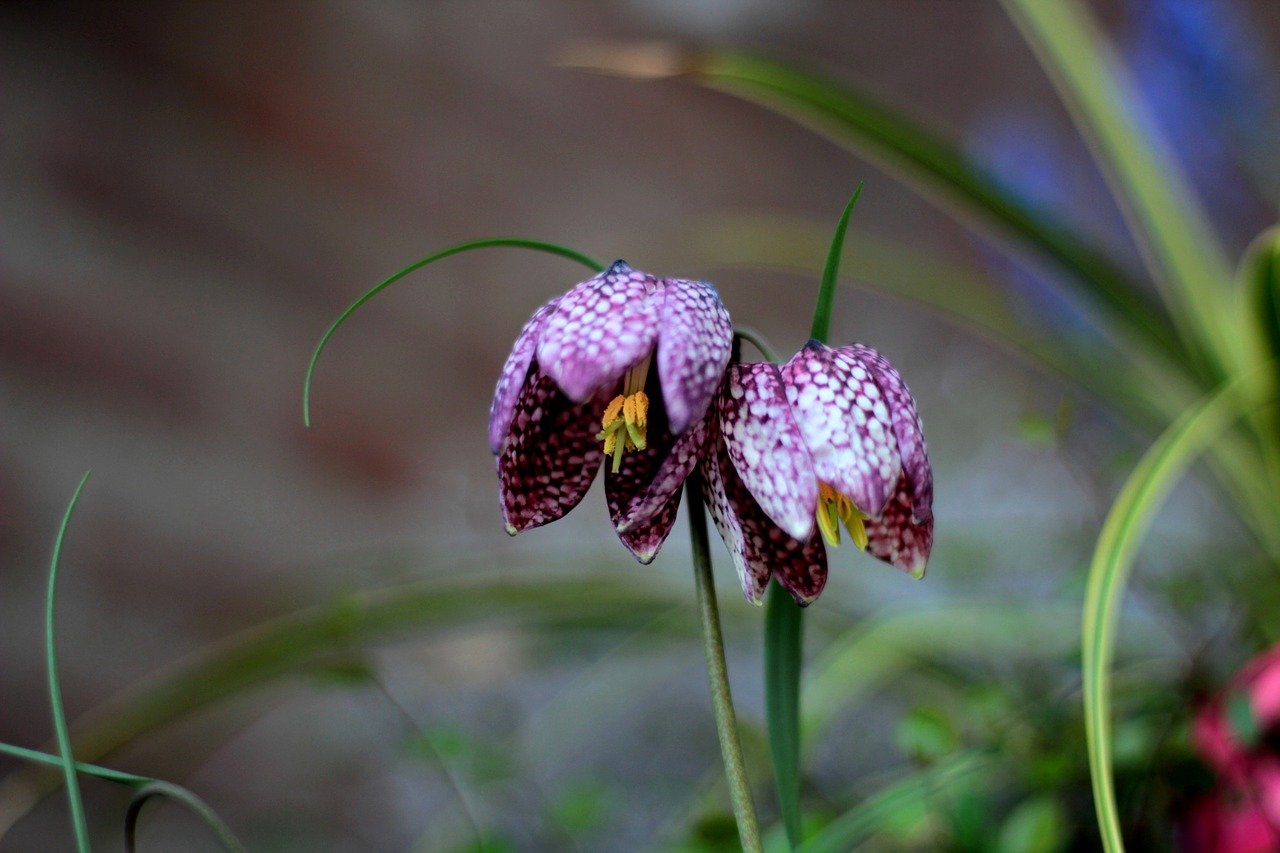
column 305, row 638
column 926, row 735
column 884, row 807
column 1151, row 393
column 1130, row 516
column 1260, row 271
column 583, row 806
column 1037, row 825
column 940, row 172
column 1153, row 194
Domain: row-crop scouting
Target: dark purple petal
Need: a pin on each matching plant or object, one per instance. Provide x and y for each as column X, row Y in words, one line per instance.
column 766, row 448
column 513, row 375
column 898, row 540
column 907, row 428
column 644, row 538
column 550, row 457
column 759, row 547
column 648, row 478
column 695, row 338
column 600, row 328
column 845, row 423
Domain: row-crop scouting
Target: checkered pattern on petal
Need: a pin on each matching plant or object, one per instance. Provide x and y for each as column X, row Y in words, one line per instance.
column 896, row 538
column 644, row 538
column 766, row 448
column 759, row 547
column 845, row 422
column 648, row 478
column 600, row 328
column 907, row 428
column 695, row 338
column 514, row 373
column 551, row 455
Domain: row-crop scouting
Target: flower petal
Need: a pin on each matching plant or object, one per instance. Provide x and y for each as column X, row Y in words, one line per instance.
column 766, row 447
column 907, row 428
column 648, row 478
column 695, row 338
column 896, row 538
column 759, row 547
column 845, row 423
column 514, row 373
column 600, row 328
column 644, row 538
column 550, row 457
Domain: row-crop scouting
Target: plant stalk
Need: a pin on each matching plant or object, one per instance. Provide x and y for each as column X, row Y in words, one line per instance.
column 735, row 770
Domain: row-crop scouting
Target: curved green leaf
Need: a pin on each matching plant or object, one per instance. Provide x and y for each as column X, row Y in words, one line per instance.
column 1141, row 496
column 178, row 794
column 78, row 824
column 514, row 242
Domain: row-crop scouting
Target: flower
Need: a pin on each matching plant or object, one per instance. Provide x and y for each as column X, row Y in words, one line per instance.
column 830, row 437
column 1238, row 735
column 578, row 386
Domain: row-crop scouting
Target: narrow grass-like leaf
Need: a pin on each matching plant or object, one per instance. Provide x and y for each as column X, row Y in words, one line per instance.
column 784, row 619
column 927, row 161
column 78, row 825
column 515, row 242
column 783, row 662
column 178, row 794
column 147, row 787
column 863, row 820
column 95, row 770
column 1141, row 496
column 821, row 328
column 1152, row 191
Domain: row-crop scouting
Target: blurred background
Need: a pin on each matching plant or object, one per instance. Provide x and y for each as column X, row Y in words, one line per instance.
column 192, row 192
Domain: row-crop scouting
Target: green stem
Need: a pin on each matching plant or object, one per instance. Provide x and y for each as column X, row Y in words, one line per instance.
column 821, row 328
column 735, row 770
column 784, row 639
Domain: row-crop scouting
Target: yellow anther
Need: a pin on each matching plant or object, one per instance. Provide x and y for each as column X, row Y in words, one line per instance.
column 623, row 426
column 833, row 508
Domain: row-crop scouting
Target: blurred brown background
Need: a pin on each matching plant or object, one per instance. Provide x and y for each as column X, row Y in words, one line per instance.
column 190, row 193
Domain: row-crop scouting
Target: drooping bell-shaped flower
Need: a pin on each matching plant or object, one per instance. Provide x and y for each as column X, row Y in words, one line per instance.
column 580, row 385
column 830, row 437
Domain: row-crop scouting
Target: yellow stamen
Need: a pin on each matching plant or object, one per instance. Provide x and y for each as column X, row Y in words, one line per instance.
column 834, row 507
column 624, row 423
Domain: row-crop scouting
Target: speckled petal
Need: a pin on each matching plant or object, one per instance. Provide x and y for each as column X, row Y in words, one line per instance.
column 514, row 373
column 759, row 547
column 550, row 457
column 898, row 540
column 644, row 538
column 845, row 423
column 695, row 337
column 647, row 479
column 766, row 448
column 907, row 428
column 600, row 328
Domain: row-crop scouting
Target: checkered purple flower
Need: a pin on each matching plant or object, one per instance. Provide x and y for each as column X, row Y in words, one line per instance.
column 578, row 387
column 832, row 436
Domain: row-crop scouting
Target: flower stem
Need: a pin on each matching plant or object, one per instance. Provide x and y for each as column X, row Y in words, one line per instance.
column 735, row 770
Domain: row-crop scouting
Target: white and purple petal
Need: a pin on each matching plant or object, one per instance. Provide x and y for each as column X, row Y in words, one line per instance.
column 550, row 456
column 647, row 479
column 598, row 330
column 896, row 538
column 760, row 548
column 695, row 338
column 845, row 422
column 514, row 374
column 907, row 428
column 766, row 447
column 644, row 538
